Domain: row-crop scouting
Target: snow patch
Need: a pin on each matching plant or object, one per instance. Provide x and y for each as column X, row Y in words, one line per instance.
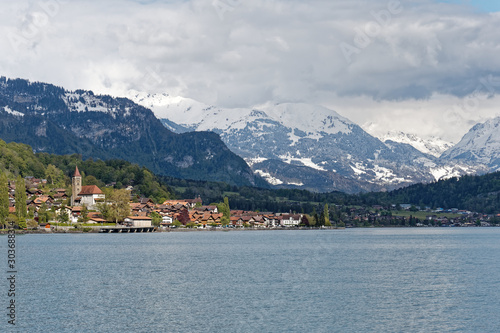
column 294, row 138
column 255, row 160
column 87, row 103
column 387, row 175
column 305, row 161
column 268, row 178
column 357, row 169
column 13, row 112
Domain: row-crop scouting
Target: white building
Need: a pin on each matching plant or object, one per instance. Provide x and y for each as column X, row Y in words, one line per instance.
column 89, row 196
column 138, row 221
column 290, row 220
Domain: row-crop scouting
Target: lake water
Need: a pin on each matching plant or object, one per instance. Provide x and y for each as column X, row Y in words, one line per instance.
column 354, row 280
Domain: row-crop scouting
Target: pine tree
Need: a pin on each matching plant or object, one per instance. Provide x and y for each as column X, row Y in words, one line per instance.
column 315, row 221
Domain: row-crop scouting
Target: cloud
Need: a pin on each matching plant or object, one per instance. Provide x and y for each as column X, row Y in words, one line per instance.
column 238, row 53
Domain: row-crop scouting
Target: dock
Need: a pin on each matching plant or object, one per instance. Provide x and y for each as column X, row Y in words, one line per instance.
column 125, row 229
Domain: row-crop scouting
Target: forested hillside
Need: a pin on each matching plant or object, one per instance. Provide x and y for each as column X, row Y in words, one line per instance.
column 16, row 158
column 474, row 193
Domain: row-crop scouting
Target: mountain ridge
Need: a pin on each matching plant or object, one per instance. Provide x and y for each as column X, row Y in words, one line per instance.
column 52, row 119
column 310, row 136
column 480, row 145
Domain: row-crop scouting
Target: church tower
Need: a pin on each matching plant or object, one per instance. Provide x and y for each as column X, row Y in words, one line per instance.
column 76, row 186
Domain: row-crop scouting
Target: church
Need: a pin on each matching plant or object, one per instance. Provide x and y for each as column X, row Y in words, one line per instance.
column 88, row 195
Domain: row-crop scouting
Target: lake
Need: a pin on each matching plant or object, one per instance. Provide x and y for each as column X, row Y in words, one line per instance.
column 353, row 280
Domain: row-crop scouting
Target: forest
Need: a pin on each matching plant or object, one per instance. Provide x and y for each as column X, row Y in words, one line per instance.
column 474, row 193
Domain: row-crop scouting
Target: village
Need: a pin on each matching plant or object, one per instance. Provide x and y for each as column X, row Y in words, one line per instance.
column 82, row 210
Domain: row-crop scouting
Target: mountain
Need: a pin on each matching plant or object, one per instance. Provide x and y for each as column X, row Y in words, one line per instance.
column 54, row 120
column 480, row 145
column 305, row 146
column 434, row 146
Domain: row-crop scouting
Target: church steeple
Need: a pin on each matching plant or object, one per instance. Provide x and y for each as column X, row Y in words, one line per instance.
column 76, row 183
column 77, row 172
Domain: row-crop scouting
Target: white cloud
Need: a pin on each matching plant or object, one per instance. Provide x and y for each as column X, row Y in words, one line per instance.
column 416, row 60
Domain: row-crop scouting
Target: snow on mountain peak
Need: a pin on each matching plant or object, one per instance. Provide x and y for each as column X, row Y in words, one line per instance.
column 434, row 146
column 310, row 119
column 481, row 144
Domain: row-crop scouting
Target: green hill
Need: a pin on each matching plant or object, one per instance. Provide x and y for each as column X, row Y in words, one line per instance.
column 17, row 158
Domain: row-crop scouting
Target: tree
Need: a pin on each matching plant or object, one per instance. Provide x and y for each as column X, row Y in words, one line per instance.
column 91, row 180
column 31, row 213
column 315, row 218
column 305, row 220
column 223, row 208
column 31, row 224
column 84, row 215
column 43, row 214
column 119, row 207
column 321, row 220
column 156, row 219
column 63, row 217
column 326, row 216
column 184, row 217
column 20, row 193
column 104, row 209
column 225, row 220
column 54, row 175
column 4, row 198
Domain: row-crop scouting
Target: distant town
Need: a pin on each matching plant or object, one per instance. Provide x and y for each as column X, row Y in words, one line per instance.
column 87, row 208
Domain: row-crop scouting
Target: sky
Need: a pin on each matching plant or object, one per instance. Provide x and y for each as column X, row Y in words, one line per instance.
column 426, row 67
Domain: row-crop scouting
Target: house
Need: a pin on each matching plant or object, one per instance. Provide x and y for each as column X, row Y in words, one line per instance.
column 289, row 220
column 138, row 221
column 43, row 199
column 45, row 226
column 146, row 201
column 194, row 202
column 211, row 209
column 167, row 220
column 176, row 202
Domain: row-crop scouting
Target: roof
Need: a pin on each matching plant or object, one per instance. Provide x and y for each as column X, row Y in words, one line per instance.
column 90, row 189
column 175, row 202
column 139, row 218
column 98, row 219
column 77, row 172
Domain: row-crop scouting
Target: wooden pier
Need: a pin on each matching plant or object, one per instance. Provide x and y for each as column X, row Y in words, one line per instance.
column 125, row 229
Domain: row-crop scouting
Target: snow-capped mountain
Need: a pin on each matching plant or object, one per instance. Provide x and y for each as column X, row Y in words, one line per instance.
column 480, row 145
column 434, row 146
column 305, row 146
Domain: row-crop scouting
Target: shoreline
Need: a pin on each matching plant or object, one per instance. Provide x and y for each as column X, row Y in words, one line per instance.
column 96, row 230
